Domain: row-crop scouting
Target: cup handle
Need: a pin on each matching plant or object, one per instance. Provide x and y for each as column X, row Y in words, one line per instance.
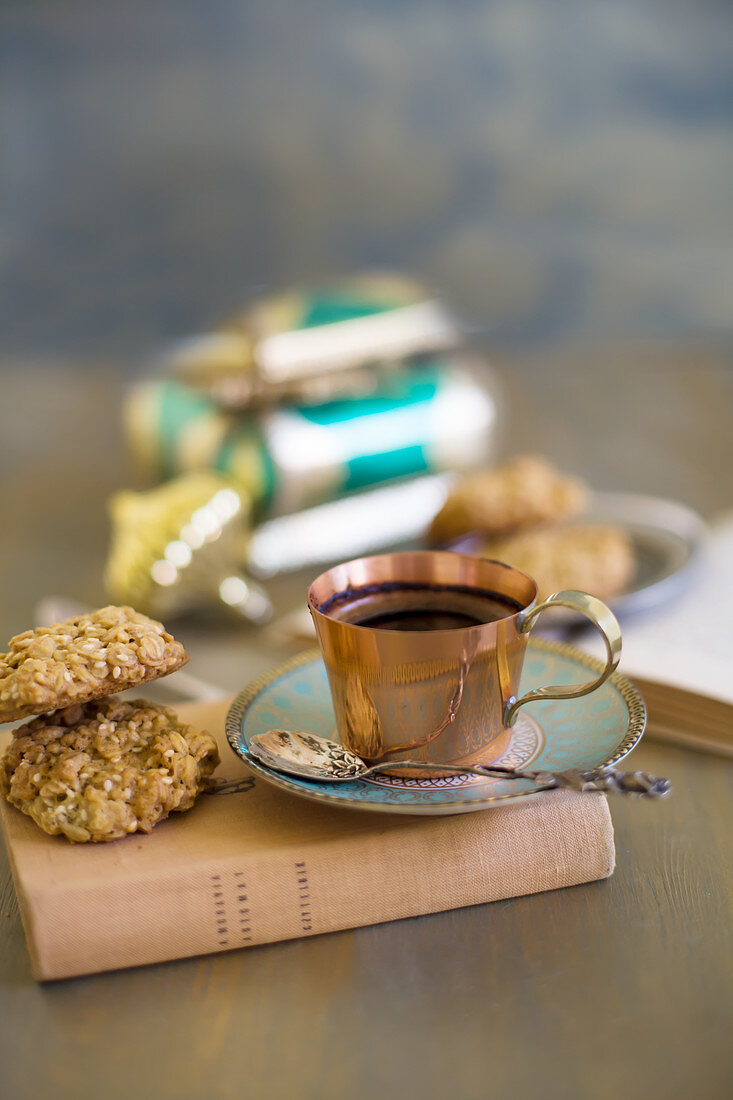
column 601, row 617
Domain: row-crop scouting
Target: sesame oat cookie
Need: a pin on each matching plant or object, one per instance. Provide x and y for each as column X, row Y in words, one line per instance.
column 84, row 658
column 596, row 559
column 102, row 770
column 519, row 494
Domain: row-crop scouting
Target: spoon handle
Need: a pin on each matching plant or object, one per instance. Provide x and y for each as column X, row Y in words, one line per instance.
column 604, row 779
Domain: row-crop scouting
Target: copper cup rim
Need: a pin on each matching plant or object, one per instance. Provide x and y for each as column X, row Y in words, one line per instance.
column 424, row 555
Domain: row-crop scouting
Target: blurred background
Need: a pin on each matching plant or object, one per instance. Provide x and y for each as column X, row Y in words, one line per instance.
column 559, row 172
column 560, row 169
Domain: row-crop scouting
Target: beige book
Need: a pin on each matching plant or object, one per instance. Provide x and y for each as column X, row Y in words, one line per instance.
column 260, row 865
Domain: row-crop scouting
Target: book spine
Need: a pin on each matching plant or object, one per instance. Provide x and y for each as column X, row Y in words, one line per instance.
column 561, row 839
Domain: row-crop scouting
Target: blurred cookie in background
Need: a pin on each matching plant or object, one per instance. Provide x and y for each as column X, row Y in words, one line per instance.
column 517, row 495
column 595, row 559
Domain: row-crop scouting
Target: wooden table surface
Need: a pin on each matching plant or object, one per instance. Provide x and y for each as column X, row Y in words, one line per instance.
column 615, row 989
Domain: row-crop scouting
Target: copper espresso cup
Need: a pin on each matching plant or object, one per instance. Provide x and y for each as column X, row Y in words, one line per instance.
column 440, row 696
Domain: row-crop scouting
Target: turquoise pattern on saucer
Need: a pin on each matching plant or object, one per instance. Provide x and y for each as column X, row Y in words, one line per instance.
column 551, row 734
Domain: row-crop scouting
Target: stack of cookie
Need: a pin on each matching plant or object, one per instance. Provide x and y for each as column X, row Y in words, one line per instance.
column 93, row 767
column 521, row 513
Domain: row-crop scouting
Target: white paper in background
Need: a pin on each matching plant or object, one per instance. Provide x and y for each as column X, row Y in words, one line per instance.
column 688, row 643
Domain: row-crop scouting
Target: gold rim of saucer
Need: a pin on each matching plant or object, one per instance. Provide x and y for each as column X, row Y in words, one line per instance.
column 242, row 701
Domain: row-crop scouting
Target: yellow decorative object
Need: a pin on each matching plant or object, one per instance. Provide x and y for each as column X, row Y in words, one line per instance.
column 180, row 548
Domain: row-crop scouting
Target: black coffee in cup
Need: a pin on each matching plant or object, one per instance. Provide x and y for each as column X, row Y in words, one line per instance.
column 403, row 605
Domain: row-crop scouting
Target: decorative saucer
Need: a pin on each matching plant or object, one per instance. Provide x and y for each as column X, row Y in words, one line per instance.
column 550, row 734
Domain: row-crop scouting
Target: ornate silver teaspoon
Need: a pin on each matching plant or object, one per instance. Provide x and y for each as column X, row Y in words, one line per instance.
column 312, row 757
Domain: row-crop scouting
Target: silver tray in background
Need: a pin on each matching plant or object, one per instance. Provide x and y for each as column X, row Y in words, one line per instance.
column 667, row 538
